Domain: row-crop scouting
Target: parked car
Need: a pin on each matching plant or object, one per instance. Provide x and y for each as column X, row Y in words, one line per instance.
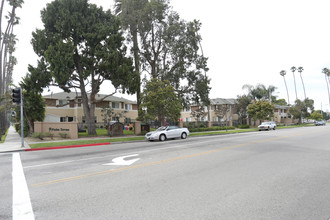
column 274, row 123
column 317, row 123
column 167, row 132
column 267, row 126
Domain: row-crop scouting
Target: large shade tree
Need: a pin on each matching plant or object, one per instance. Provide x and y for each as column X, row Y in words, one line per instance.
column 159, row 100
column 130, row 13
column 302, row 109
column 82, row 46
column 166, row 47
column 261, row 110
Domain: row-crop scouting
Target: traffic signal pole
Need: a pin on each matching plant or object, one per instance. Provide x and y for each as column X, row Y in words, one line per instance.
column 22, row 121
column 18, row 99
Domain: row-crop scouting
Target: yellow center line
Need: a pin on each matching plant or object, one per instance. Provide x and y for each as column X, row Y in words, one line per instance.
column 161, row 161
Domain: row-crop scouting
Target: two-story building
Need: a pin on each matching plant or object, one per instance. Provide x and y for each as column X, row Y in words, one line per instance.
column 220, row 110
column 67, row 107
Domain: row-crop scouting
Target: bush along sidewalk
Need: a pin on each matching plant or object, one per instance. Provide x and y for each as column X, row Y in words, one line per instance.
column 3, row 137
column 215, row 128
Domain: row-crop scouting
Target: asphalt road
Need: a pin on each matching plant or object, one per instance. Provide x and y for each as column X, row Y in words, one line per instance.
column 281, row 174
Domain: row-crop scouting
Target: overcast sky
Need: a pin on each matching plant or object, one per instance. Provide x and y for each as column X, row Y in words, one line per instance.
column 247, row 42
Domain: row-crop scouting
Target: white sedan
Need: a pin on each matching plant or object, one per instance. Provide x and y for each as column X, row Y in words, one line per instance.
column 168, row 132
column 267, row 126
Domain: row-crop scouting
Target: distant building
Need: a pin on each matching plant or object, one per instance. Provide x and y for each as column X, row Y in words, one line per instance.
column 67, row 107
column 218, row 103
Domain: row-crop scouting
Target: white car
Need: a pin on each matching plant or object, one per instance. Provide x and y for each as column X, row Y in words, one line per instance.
column 168, row 132
column 267, row 126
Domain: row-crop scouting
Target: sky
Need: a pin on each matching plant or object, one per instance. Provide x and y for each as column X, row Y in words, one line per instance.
column 246, row 42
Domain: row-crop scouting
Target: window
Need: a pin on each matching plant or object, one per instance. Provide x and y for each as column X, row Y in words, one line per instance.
column 127, row 120
column 71, row 119
column 62, row 102
column 128, row 107
column 115, row 118
column 84, row 119
column 115, row 104
column 63, row 119
column 188, row 119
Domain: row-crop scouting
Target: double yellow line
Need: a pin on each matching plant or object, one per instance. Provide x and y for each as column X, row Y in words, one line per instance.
column 161, row 161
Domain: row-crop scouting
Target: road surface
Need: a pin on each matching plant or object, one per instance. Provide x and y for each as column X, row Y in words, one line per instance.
column 281, row 174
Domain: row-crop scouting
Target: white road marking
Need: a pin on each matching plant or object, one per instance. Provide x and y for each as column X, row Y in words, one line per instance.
column 22, row 208
column 122, row 162
column 183, row 146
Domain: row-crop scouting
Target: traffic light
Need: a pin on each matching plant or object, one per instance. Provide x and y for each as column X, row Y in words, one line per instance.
column 16, row 95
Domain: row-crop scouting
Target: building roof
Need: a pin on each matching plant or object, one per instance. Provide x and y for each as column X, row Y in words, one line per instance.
column 77, row 95
column 220, row 101
column 281, row 106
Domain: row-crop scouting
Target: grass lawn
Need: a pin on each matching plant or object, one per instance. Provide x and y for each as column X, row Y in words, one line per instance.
column 102, row 132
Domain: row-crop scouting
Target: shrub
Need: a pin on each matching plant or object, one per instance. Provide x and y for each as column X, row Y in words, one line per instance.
column 38, row 135
column 49, row 134
column 215, row 128
column 63, row 135
column 243, row 126
column 143, row 133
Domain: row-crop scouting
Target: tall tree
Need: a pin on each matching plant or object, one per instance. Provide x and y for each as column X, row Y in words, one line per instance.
column 283, row 73
column 7, row 60
column 302, row 109
column 260, row 92
column 32, row 86
column 130, row 13
column 261, row 110
column 326, row 73
column 241, row 108
column 293, row 69
column 82, row 46
column 170, row 51
column 160, row 100
column 300, row 69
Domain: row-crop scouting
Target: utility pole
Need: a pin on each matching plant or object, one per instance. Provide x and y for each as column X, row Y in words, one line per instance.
column 18, row 98
column 22, row 120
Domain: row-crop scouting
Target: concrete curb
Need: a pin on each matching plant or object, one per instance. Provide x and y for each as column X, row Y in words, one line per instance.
column 64, row 147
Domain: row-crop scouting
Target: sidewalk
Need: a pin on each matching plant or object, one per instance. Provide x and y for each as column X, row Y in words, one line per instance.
column 13, row 142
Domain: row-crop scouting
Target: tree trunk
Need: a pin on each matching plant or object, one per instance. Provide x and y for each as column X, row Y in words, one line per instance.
column 137, row 67
column 89, row 110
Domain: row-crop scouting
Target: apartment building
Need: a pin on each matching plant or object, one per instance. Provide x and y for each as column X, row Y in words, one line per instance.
column 67, row 107
column 221, row 110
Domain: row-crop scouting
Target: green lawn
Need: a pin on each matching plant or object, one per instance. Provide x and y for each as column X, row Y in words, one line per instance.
column 102, row 132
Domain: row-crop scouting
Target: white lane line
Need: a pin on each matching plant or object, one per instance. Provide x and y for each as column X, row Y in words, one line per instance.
column 22, row 208
column 181, row 146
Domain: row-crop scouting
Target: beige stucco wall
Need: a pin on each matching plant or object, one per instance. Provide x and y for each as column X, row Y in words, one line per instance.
column 71, row 128
column 78, row 113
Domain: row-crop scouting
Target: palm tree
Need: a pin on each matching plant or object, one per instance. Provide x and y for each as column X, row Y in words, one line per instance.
column 293, row 69
column 327, row 73
column 300, row 69
column 283, row 73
